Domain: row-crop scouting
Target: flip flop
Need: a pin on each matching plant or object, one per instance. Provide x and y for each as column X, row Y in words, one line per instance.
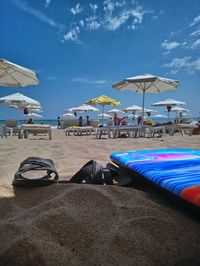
column 90, row 173
column 120, row 176
column 38, row 164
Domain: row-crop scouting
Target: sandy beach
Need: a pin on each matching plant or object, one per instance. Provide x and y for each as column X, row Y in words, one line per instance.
column 71, row 224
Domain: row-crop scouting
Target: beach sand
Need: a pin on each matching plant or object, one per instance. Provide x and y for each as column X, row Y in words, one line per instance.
column 71, row 224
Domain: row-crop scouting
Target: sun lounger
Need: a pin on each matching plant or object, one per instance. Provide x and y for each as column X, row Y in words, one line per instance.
column 11, row 127
column 3, row 132
column 175, row 171
column 79, row 131
column 34, row 129
column 183, row 128
column 151, row 131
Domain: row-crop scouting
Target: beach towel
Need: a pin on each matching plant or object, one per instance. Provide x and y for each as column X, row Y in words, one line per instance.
column 174, row 170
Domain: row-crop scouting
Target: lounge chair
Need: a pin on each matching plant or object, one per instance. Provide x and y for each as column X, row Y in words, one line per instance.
column 11, row 127
column 34, row 129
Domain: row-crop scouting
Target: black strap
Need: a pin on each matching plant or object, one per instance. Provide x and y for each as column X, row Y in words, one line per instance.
column 38, row 164
column 91, row 173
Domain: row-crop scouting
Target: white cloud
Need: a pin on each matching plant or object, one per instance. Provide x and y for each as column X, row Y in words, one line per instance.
column 73, row 35
column 92, row 23
column 90, row 81
column 113, row 23
column 47, row 3
column 183, row 63
column 196, row 44
column 77, row 9
column 195, row 21
column 37, row 13
column 93, row 7
column 51, row 77
column 169, row 45
column 113, row 15
column 195, row 33
column 82, row 23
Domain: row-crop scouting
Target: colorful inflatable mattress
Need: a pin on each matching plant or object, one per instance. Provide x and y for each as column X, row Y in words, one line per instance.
column 174, row 170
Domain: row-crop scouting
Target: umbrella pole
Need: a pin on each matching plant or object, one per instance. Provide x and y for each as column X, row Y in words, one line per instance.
column 102, row 113
column 143, row 98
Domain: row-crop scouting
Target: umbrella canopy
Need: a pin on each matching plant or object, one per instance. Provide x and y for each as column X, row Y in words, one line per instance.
column 12, row 75
column 38, row 110
column 34, row 115
column 83, row 108
column 103, row 100
column 179, row 109
column 69, row 115
column 146, row 83
column 105, row 116
column 150, row 111
column 18, row 99
column 160, row 116
column 113, row 111
column 133, row 108
column 168, row 102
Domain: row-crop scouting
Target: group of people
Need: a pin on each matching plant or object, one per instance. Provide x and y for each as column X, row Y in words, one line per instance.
column 80, row 120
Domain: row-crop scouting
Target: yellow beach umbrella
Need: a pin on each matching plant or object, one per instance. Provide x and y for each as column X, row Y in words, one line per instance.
column 103, row 100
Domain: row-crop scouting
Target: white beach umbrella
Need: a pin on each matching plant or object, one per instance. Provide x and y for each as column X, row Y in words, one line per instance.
column 82, row 108
column 104, row 115
column 150, row 111
column 179, row 109
column 38, row 110
column 34, row 115
column 18, row 99
column 146, row 83
column 160, row 116
column 133, row 108
column 12, row 75
column 69, row 115
column 113, row 111
column 131, row 116
column 168, row 103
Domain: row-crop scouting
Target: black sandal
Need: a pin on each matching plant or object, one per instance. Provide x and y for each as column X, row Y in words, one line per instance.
column 38, row 164
column 91, row 173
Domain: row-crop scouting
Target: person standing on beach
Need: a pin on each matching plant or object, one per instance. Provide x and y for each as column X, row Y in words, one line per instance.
column 58, row 122
column 88, row 123
column 80, row 121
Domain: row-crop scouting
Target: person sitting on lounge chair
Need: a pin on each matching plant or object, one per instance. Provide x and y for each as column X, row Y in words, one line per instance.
column 30, row 121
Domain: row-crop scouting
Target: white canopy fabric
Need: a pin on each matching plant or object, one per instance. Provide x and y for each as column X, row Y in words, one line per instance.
column 113, row 111
column 150, row 111
column 179, row 109
column 83, row 108
column 168, row 102
column 146, row 83
column 38, row 110
column 69, row 115
column 12, row 75
column 18, row 99
column 104, row 115
column 160, row 116
column 34, row 115
column 133, row 108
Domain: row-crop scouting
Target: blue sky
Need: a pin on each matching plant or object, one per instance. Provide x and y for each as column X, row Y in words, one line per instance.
column 79, row 48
